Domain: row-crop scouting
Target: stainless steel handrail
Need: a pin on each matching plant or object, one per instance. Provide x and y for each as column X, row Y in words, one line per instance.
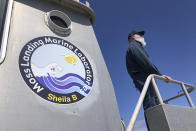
column 179, row 95
column 145, row 88
column 6, row 31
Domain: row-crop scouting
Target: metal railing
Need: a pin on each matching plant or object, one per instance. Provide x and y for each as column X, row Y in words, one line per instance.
column 6, row 28
column 151, row 78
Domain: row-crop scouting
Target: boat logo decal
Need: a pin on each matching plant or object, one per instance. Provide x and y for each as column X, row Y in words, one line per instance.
column 56, row 70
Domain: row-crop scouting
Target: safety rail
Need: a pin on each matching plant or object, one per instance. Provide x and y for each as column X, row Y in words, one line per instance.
column 151, row 78
column 5, row 33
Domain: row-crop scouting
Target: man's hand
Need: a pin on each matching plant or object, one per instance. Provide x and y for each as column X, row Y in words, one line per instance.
column 168, row 78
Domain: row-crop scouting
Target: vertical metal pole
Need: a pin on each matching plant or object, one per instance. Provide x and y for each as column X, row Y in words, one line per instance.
column 187, row 95
column 6, row 31
column 157, row 91
column 139, row 103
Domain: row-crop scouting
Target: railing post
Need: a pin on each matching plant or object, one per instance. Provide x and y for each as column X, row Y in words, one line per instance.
column 157, row 91
column 5, row 32
column 139, row 103
column 187, row 95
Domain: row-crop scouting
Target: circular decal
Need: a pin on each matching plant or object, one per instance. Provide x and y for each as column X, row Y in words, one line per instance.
column 56, row 70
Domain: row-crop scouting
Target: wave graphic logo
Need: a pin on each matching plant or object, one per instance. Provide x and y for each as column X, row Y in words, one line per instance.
column 58, row 78
column 67, row 83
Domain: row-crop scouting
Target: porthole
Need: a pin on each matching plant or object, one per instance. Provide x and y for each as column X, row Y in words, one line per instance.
column 58, row 22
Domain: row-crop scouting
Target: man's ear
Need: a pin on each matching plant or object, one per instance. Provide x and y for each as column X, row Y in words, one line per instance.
column 132, row 37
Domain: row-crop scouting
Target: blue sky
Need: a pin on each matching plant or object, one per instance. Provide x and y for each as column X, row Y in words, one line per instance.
column 170, row 27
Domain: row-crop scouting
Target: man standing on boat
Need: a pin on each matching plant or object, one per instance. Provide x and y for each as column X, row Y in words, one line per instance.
column 140, row 67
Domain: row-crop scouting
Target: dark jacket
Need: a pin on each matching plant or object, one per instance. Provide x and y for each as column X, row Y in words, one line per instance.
column 138, row 62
